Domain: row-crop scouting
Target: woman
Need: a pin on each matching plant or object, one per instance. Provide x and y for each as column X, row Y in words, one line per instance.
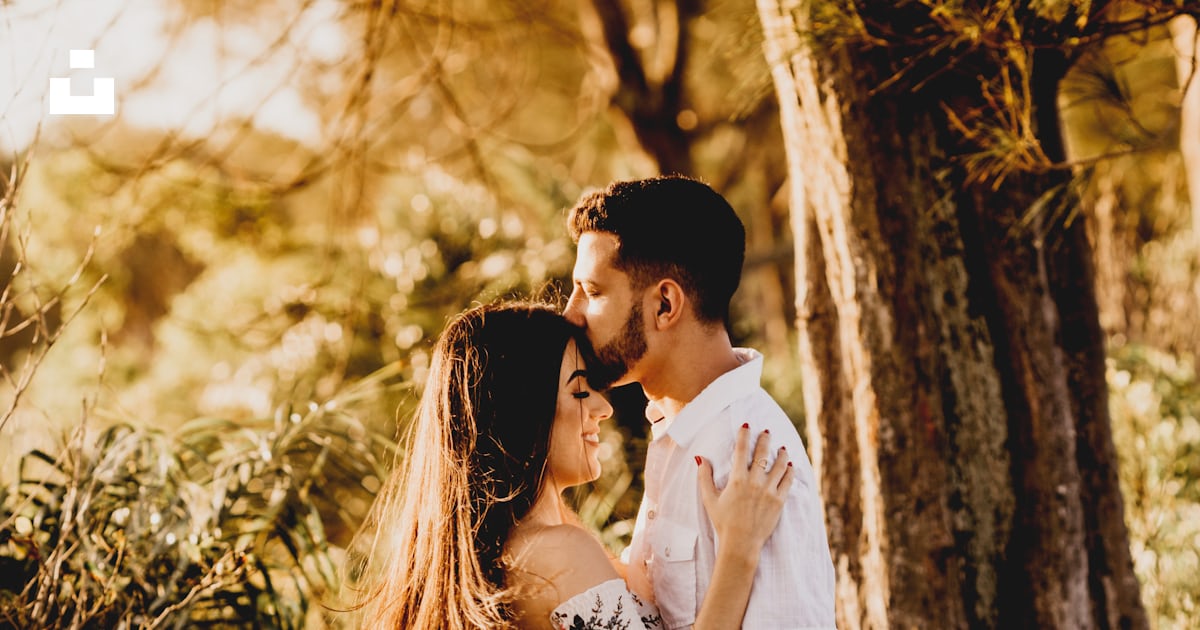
column 472, row 532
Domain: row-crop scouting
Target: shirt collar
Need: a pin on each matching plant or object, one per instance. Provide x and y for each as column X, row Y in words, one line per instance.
column 716, row 396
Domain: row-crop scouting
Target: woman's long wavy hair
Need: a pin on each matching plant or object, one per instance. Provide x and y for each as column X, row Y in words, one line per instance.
column 473, row 465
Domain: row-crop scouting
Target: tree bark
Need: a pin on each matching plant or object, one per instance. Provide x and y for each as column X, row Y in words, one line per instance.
column 952, row 357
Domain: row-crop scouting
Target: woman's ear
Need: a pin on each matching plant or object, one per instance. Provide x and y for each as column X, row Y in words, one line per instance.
column 670, row 304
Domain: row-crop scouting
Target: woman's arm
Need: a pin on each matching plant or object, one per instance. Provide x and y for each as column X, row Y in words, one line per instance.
column 744, row 514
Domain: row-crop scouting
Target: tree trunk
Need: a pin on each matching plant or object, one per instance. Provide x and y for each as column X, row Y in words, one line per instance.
column 952, row 356
column 651, row 103
column 1183, row 30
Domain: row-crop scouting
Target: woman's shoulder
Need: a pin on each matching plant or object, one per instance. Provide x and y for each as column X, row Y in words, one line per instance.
column 549, row 550
column 564, row 533
column 549, row 564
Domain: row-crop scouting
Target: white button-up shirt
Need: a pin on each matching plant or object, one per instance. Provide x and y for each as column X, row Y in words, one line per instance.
column 674, row 545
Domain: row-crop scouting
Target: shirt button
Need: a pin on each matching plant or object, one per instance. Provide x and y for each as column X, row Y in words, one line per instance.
column 667, row 552
column 651, row 514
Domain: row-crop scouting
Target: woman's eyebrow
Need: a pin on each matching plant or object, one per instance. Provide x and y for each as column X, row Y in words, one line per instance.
column 576, row 374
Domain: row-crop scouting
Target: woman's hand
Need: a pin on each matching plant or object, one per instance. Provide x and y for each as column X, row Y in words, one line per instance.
column 747, row 510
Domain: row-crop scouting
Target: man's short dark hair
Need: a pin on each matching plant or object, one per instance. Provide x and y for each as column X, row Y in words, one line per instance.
column 670, row 227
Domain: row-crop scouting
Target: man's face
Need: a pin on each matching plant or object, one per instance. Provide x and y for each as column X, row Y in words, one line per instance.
column 604, row 303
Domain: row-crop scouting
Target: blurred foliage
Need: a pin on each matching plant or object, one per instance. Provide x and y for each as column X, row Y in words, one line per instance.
column 248, row 304
column 1155, row 403
column 217, row 524
column 1120, row 107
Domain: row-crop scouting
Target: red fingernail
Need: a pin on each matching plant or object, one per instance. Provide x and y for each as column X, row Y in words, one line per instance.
column 789, row 464
column 766, row 430
column 745, row 425
column 783, row 448
column 697, row 460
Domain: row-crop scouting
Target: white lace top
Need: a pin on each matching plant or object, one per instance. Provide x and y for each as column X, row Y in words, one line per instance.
column 607, row 606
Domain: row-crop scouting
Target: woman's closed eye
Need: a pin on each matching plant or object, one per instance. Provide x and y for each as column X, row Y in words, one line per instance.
column 582, row 376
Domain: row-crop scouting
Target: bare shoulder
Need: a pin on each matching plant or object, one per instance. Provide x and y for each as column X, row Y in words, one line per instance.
column 548, row 565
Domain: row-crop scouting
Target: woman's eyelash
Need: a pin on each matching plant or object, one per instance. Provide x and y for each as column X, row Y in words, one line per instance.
column 581, row 395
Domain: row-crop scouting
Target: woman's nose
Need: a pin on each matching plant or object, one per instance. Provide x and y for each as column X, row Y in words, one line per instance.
column 603, row 409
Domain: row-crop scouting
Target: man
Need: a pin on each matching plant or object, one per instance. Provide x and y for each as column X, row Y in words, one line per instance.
column 657, row 263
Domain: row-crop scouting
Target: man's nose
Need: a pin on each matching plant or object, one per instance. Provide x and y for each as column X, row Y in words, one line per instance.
column 574, row 310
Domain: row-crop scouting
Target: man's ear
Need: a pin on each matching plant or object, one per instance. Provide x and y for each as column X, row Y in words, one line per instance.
column 669, row 304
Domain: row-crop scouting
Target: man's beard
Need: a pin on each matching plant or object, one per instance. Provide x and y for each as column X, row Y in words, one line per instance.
column 618, row 355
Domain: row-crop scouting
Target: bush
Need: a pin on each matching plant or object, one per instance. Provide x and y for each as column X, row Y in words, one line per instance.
column 220, row 524
column 1155, row 403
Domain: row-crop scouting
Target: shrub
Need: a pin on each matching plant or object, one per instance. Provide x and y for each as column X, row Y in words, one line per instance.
column 1155, row 403
column 220, row 524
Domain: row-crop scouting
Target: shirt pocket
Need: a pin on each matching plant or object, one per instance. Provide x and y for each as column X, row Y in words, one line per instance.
column 673, row 574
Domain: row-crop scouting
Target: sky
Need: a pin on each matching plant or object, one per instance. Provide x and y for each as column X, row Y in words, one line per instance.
column 167, row 75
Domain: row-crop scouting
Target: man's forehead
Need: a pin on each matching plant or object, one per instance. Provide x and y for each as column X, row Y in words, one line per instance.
column 596, row 254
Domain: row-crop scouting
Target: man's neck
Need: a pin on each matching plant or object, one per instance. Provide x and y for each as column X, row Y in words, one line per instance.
column 691, row 366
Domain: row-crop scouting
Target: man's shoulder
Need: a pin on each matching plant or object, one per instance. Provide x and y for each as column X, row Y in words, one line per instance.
column 761, row 411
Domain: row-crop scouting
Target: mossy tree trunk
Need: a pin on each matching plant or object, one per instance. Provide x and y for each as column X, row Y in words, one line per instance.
column 952, row 355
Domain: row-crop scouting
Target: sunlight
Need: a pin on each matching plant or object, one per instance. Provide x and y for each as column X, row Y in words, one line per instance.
column 189, row 78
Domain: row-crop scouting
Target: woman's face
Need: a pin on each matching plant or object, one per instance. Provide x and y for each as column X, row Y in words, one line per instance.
column 575, row 434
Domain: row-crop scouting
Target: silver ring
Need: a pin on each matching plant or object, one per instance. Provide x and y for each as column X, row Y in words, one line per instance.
column 761, row 462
